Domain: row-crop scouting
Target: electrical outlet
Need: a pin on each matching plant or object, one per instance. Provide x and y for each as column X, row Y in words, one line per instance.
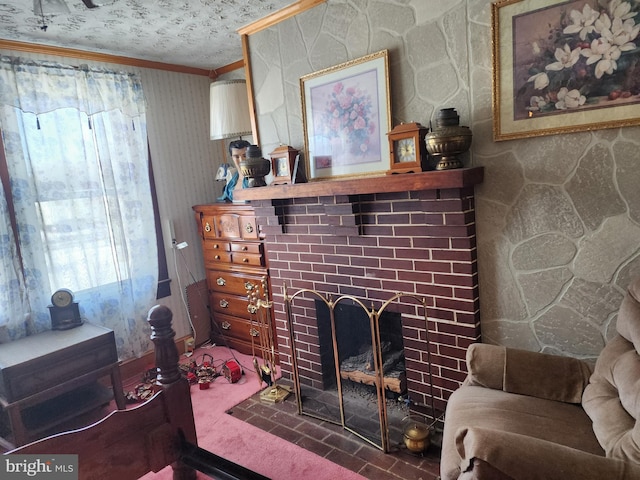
column 169, row 231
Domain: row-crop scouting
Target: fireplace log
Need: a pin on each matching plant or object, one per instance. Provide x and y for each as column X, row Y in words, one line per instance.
column 395, row 384
column 359, row 368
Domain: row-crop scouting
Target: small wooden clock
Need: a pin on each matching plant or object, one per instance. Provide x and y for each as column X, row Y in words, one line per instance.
column 283, row 161
column 407, row 148
column 64, row 311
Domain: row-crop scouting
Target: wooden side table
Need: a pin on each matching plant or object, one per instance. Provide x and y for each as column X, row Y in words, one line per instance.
column 49, row 378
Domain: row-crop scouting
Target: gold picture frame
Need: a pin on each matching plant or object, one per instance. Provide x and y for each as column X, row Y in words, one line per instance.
column 346, row 114
column 557, row 69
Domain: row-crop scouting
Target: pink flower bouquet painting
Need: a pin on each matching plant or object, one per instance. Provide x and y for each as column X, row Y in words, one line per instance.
column 346, row 118
column 565, row 66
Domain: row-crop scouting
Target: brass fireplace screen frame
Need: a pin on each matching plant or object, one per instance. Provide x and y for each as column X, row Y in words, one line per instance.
column 374, row 322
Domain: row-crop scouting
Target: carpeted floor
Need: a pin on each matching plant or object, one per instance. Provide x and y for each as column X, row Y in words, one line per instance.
column 246, row 444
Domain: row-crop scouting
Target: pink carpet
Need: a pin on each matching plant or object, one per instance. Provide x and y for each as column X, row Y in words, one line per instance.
column 241, row 442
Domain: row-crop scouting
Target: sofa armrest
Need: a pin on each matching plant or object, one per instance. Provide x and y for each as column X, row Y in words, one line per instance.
column 541, row 375
column 528, row 458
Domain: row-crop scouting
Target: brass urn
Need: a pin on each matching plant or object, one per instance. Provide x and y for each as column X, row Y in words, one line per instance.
column 254, row 167
column 416, row 434
column 448, row 140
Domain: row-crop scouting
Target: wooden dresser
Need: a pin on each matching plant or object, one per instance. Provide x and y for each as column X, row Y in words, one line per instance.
column 235, row 265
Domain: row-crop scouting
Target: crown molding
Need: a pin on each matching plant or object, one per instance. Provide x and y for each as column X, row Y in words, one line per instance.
column 106, row 58
column 277, row 17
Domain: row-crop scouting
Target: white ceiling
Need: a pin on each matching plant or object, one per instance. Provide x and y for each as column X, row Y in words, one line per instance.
column 195, row 33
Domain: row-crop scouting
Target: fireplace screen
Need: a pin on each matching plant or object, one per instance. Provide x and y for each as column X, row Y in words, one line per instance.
column 348, row 363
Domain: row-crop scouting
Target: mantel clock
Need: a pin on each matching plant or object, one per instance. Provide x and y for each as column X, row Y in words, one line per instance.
column 65, row 313
column 283, row 161
column 407, row 148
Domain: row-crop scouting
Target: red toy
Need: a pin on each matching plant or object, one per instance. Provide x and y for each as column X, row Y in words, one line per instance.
column 231, row 371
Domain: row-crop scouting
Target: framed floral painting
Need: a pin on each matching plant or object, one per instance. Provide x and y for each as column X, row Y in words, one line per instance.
column 564, row 66
column 346, row 116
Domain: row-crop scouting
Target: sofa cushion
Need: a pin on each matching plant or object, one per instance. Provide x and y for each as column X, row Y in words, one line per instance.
column 628, row 322
column 553, row 377
column 612, row 398
column 473, row 406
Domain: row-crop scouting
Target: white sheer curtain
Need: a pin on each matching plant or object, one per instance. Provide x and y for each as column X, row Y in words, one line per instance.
column 13, row 305
column 76, row 149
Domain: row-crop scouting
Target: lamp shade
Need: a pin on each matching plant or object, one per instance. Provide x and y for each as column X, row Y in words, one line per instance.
column 229, row 109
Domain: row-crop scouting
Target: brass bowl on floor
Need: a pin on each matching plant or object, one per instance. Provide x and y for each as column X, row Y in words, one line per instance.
column 416, row 435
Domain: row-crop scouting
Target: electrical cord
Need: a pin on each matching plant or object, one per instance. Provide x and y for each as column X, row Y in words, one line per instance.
column 184, row 301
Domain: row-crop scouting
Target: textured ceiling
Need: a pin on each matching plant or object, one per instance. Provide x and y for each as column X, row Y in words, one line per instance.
column 195, row 33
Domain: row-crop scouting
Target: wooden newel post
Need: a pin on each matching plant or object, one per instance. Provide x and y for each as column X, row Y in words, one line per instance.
column 175, row 387
column 162, row 335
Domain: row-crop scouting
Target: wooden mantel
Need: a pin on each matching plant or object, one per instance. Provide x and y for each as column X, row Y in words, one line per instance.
column 431, row 180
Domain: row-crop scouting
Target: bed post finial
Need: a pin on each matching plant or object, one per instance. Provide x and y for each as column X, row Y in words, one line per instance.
column 162, row 335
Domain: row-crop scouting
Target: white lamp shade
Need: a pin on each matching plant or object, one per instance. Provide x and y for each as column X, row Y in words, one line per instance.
column 229, row 109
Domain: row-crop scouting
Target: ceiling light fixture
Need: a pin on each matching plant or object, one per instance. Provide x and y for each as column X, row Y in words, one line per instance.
column 49, row 7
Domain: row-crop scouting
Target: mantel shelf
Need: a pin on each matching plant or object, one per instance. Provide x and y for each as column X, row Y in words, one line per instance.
column 431, row 180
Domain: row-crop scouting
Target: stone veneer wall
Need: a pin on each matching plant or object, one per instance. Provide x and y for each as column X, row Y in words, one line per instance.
column 371, row 247
column 558, row 217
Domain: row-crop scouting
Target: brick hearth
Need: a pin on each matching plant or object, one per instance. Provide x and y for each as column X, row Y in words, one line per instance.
column 413, row 234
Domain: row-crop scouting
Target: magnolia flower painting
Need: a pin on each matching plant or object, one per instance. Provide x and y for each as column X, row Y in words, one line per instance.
column 576, row 55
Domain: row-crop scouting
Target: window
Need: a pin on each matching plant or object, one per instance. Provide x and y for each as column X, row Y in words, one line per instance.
column 78, row 191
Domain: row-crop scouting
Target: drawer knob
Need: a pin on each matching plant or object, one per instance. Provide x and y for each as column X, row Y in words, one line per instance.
column 207, row 227
column 254, row 332
column 245, row 248
column 248, row 228
column 252, row 308
column 216, row 257
column 224, row 303
column 216, row 246
column 248, row 286
column 225, row 325
column 221, row 281
column 245, row 260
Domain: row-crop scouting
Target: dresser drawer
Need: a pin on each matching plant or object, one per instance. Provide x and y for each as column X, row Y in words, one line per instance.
column 214, row 258
column 253, row 259
column 240, row 328
column 208, row 226
column 248, row 227
column 246, row 247
column 228, row 304
column 234, row 283
column 216, row 245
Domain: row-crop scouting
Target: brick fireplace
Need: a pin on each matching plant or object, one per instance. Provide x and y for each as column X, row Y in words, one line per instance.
column 374, row 237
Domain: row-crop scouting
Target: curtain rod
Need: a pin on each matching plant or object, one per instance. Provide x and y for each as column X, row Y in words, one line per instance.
column 10, row 59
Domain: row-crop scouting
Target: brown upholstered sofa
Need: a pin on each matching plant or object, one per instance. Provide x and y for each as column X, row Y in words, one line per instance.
column 527, row 415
